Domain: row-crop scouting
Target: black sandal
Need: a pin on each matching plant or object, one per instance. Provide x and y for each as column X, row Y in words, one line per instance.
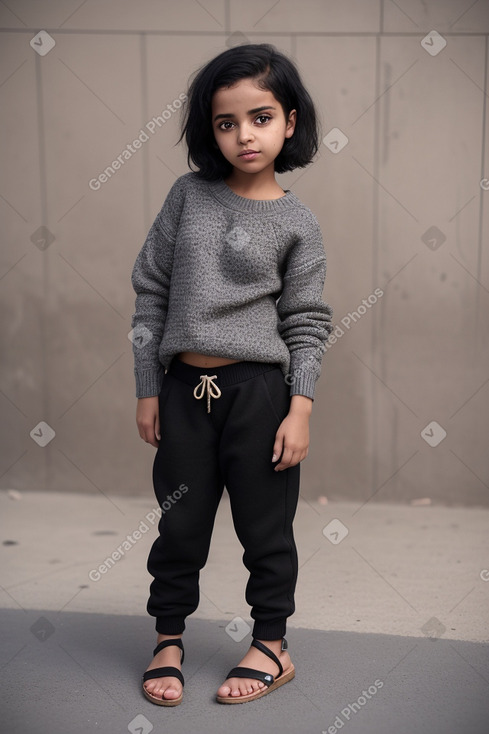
column 167, row 670
column 270, row 681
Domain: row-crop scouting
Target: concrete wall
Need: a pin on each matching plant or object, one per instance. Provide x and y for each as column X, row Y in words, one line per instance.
column 403, row 207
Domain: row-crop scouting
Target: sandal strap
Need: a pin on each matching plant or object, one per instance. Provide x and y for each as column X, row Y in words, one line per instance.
column 242, row 672
column 263, row 648
column 167, row 671
column 177, row 641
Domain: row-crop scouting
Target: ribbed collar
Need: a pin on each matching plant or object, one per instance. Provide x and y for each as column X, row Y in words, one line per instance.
column 226, row 195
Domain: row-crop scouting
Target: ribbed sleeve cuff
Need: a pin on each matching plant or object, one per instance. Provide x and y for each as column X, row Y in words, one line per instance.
column 304, row 384
column 148, row 382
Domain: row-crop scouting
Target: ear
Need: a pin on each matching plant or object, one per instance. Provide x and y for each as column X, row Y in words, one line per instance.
column 289, row 130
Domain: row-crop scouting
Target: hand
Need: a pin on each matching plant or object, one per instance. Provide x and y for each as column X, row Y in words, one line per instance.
column 148, row 420
column 292, row 437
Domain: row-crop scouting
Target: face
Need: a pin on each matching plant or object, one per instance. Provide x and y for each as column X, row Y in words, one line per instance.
column 244, row 118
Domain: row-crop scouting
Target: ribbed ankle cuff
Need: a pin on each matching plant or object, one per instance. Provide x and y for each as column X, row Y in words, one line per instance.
column 273, row 630
column 170, row 625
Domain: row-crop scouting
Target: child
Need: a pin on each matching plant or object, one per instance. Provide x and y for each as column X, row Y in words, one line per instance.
column 229, row 333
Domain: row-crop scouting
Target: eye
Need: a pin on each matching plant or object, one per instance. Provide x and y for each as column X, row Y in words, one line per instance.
column 264, row 117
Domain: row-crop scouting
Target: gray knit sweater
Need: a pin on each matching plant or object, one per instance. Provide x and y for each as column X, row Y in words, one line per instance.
column 224, row 275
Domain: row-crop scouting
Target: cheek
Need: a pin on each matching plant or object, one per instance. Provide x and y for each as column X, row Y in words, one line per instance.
column 222, row 141
column 277, row 135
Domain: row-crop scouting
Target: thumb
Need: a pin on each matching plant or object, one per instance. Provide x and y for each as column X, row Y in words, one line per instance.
column 277, row 448
column 157, row 428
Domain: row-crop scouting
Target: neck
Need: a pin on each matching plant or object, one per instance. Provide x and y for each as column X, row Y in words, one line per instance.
column 261, row 185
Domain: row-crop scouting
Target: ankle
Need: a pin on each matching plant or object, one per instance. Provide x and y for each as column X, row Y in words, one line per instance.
column 161, row 637
column 272, row 644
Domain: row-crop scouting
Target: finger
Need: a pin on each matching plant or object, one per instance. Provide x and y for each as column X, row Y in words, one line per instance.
column 296, row 457
column 285, row 462
column 151, row 438
column 157, row 427
column 148, row 436
column 277, row 447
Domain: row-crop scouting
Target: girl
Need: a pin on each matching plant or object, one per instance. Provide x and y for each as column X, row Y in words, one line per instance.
column 228, row 335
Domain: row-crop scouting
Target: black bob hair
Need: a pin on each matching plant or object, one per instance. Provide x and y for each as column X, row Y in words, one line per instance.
column 271, row 70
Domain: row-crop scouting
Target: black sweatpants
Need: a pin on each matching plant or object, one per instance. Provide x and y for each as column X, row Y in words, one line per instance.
column 207, row 443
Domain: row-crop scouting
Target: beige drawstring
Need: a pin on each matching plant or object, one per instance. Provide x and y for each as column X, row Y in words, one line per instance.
column 212, row 389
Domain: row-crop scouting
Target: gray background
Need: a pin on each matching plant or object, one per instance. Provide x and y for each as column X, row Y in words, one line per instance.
column 417, row 154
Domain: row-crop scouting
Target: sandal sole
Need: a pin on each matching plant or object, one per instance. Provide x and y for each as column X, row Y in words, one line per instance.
column 286, row 676
column 163, row 701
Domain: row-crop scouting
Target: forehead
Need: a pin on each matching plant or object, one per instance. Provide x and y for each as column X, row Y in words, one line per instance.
column 243, row 95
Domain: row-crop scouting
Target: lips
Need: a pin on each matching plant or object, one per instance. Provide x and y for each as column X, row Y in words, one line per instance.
column 248, row 154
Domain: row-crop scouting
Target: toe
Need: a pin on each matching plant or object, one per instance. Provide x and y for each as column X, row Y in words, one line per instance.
column 150, row 688
column 160, row 690
column 224, row 690
column 241, row 687
column 235, row 687
column 172, row 692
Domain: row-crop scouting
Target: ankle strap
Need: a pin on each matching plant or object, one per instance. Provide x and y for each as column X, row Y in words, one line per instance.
column 177, row 641
column 260, row 646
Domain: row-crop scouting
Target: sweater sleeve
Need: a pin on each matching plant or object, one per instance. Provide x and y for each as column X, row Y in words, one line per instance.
column 151, row 281
column 304, row 318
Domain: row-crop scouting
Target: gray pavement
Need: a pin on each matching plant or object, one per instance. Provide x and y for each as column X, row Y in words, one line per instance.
column 390, row 633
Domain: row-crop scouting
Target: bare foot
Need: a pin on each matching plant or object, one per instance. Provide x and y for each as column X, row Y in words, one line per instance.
column 256, row 659
column 168, row 687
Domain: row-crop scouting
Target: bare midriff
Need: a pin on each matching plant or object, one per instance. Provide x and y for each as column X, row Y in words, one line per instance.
column 204, row 360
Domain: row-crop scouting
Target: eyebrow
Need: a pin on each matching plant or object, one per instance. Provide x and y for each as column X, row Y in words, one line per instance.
column 250, row 112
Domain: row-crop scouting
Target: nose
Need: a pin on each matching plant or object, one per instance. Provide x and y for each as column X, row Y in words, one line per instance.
column 245, row 133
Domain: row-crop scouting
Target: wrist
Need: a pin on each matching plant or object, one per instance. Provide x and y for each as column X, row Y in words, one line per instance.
column 301, row 404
